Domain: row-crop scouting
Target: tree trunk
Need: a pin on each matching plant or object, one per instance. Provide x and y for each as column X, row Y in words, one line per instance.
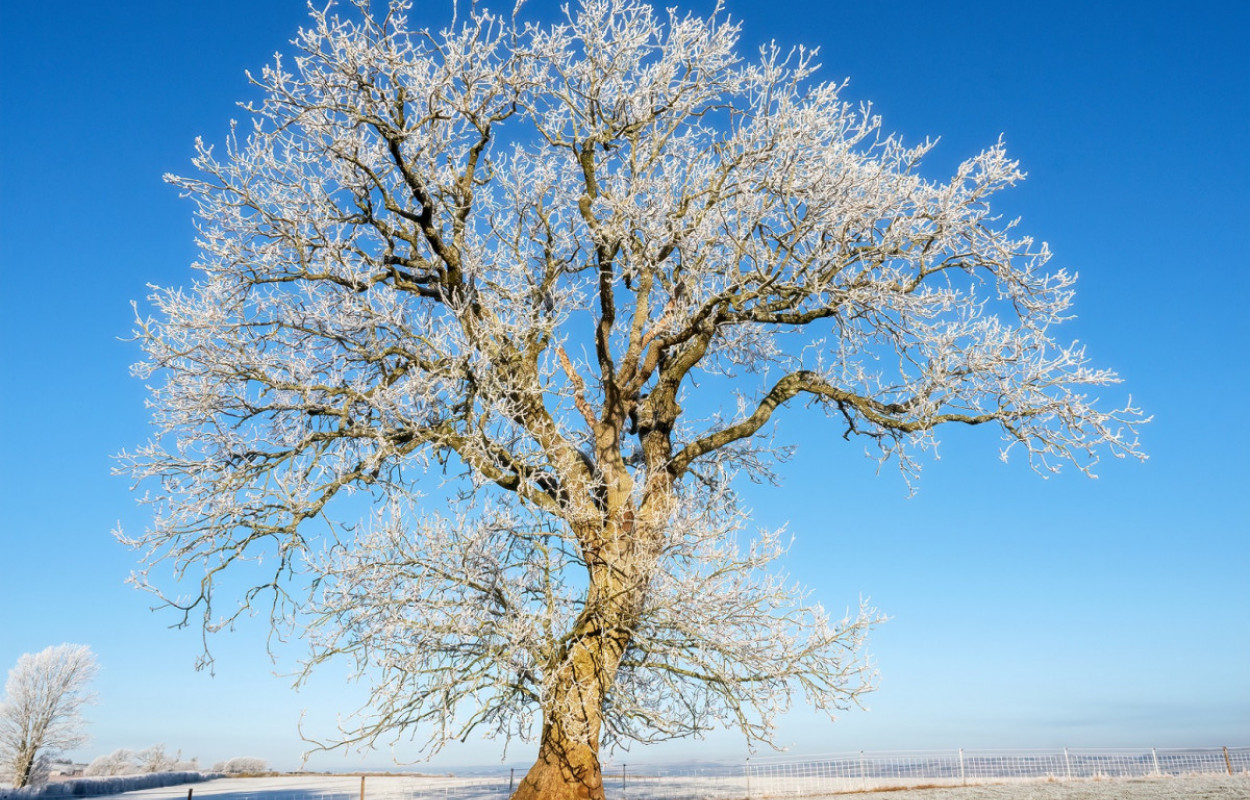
column 565, row 770
column 568, row 755
column 621, row 560
column 24, row 768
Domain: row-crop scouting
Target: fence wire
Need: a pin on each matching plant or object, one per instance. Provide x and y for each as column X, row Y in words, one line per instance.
column 754, row 780
column 856, row 772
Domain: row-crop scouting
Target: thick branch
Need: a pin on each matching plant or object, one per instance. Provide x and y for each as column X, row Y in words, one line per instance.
column 889, row 416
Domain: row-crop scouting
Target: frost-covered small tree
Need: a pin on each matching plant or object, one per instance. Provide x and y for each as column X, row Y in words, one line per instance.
column 155, row 759
column 243, row 765
column 119, row 762
column 124, row 761
column 41, row 714
column 532, row 295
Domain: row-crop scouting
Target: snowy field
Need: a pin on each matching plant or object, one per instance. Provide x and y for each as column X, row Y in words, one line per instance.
column 320, row 787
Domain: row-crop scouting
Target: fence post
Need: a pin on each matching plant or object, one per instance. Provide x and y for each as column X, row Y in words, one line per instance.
column 362, row 787
column 1227, row 761
column 1155, row 756
column 511, row 778
column 1067, row 763
column 863, row 770
column 747, row 770
column 189, row 791
column 963, row 778
column 623, row 766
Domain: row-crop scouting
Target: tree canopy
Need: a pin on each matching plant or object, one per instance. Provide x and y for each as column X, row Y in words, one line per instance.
column 534, row 294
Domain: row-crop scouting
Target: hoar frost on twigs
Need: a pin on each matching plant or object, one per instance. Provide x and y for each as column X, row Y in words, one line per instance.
column 513, row 256
column 499, row 590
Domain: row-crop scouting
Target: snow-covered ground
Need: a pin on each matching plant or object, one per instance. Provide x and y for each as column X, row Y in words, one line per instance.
column 1200, row 787
column 324, row 787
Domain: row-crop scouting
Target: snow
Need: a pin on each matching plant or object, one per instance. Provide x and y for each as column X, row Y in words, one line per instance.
column 1202, row 787
column 411, row 787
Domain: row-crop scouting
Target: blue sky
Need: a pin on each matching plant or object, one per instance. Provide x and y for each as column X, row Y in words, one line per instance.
column 1026, row 613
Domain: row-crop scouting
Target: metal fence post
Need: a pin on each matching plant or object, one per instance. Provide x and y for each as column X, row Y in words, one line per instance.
column 963, row 778
column 1155, row 757
column 1067, row 762
column 863, row 770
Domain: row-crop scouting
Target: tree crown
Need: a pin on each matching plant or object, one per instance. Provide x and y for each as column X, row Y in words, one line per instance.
column 41, row 715
column 543, row 259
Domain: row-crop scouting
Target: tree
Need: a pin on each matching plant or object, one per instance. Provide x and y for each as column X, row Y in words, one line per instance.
column 154, row 759
column 559, row 280
column 150, row 760
column 118, row 762
column 41, row 715
column 243, row 765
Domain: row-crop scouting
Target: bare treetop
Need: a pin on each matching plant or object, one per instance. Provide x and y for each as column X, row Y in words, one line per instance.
column 580, row 267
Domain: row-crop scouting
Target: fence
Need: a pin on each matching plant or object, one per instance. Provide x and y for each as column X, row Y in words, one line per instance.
column 760, row 779
column 814, row 777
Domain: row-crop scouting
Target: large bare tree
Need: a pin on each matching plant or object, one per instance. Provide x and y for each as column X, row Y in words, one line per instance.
column 489, row 321
column 41, row 714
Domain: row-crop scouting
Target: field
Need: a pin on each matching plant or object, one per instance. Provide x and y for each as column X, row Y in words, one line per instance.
column 323, row 787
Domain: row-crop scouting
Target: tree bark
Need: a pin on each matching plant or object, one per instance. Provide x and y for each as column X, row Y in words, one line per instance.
column 25, row 768
column 565, row 770
column 620, row 555
column 567, row 767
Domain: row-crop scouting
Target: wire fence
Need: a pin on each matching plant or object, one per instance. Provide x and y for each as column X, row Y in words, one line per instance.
column 758, row 779
column 836, row 774
column 856, row 772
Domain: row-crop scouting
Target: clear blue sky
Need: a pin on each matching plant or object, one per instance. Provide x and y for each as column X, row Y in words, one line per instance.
column 1026, row 613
